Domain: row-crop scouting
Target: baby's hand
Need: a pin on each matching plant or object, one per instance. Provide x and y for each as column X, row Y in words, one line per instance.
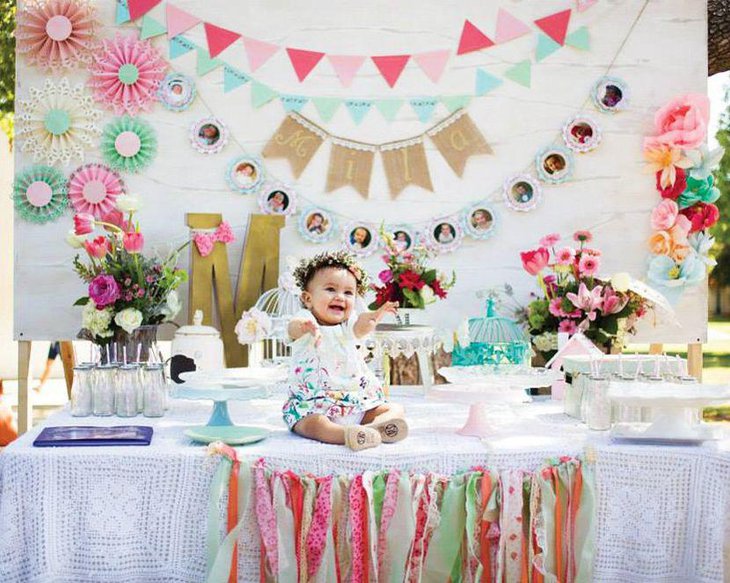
column 309, row 327
column 386, row 308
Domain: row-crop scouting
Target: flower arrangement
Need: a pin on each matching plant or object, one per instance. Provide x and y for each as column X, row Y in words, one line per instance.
column 680, row 244
column 574, row 298
column 407, row 279
column 126, row 290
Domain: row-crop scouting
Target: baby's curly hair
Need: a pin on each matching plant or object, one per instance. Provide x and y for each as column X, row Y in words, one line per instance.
column 307, row 268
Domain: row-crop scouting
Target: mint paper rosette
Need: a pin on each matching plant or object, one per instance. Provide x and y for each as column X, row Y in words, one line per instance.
column 128, row 144
column 39, row 194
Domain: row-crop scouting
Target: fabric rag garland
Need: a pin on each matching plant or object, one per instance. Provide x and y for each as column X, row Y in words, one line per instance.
column 128, row 144
column 205, row 240
column 681, row 241
column 39, row 194
column 481, row 525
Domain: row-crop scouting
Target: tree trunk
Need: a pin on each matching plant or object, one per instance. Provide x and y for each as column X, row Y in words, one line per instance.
column 718, row 36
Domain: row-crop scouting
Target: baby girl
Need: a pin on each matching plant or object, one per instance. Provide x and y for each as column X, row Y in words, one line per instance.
column 333, row 395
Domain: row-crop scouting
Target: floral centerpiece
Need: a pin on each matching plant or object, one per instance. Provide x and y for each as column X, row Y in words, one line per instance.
column 575, row 298
column 127, row 292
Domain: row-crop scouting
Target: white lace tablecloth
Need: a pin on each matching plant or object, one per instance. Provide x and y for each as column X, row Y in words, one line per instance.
column 139, row 513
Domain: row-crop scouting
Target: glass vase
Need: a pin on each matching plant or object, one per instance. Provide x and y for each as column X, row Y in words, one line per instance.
column 139, row 345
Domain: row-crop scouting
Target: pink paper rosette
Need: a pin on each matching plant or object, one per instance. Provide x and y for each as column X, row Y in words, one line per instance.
column 56, row 34
column 93, row 189
column 126, row 74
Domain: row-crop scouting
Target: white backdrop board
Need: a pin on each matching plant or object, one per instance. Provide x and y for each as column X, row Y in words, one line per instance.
column 658, row 48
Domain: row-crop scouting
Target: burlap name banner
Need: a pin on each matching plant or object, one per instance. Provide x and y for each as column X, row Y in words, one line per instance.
column 351, row 163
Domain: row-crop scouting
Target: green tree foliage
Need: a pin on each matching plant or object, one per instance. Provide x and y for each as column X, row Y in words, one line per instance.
column 721, row 231
column 7, row 65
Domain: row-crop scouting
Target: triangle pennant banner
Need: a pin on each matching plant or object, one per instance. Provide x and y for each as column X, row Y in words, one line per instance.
column 388, row 108
column 358, row 109
column 509, row 27
column 293, row 102
column 139, row 8
column 261, row 94
column 433, row 63
column 579, row 39
column 151, row 28
column 454, row 102
column 346, row 67
column 122, row 15
column 391, row 67
column 545, row 47
column 555, row 25
column 583, row 5
column 205, row 63
column 472, row 39
column 326, row 106
column 520, row 73
column 424, row 106
column 219, row 39
column 179, row 46
column 303, row 61
column 178, row 21
column 258, row 51
column 233, row 79
column 485, row 82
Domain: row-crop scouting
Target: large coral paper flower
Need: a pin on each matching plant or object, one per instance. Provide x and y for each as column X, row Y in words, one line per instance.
column 126, row 74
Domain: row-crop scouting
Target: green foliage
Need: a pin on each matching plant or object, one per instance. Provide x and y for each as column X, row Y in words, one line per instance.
column 7, row 66
column 721, row 231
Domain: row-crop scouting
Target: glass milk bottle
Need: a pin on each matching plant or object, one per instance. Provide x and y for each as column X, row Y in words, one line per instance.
column 81, row 397
column 126, row 391
column 105, row 381
column 155, row 391
column 598, row 406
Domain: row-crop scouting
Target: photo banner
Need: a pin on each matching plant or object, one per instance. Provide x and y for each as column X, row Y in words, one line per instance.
column 458, row 138
column 350, row 164
column 405, row 163
column 297, row 140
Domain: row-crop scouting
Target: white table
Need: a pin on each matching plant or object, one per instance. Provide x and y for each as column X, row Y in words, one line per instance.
column 139, row 514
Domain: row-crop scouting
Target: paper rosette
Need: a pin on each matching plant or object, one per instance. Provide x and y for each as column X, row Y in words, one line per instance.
column 56, row 34
column 39, row 194
column 57, row 122
column 126, row 74
column 94, row 189
column 128, row 144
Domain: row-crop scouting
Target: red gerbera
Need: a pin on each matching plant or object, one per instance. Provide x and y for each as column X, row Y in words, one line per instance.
column 411, row 280
column 437, row 289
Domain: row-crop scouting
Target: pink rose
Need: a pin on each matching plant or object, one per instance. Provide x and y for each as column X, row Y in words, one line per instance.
column 385, row 276
column 83, row 223
column 133, row 242
column 550, row 240
column 104, row 291
column 535, row 260
column 664, row 215
column 682, row 122
column 701, row 215
column 98, row 248
column 588, row 265
column 672, row 191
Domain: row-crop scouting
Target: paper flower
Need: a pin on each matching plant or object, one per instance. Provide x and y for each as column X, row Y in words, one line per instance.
column 39, row 194
column 128, row 144
column 666, row 160
column 93, row 189
column 701, row 243
column 702, row 216
column 664, row 215
column 699, row 190
column 704, row 161
column 681, row 123
column 253, row 326
column 56, row 34
column 57, row 122
column 665, row 271
column 126, row 74
column 672, row 191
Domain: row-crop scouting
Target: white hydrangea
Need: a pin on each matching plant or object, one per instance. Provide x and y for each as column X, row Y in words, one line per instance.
column 546, row 341
column 172, row 306
column 96, row 321
column 128, row 319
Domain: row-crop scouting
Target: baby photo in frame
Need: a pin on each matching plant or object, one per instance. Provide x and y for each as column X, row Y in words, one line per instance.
column 554, row 164
column 403, row 237
column 360, row 238
column 245, row 174
column 444, row 235
column 581, row 134
column 479, row 221
column 522, row 192
column 610, row 94
column 316, row 225
column 209, row 135
column 277, row 199
column 176, row 92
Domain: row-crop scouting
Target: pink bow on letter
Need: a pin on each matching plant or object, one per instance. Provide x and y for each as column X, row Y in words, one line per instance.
column 205, row 241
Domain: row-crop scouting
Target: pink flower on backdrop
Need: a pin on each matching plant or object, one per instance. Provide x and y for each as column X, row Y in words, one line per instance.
column 588, row 301
column 613, row 303
column 589, row 265
column 535, row 260
column 385, row 276
column 98, row 248
column 565, row 255
column 550, row 240
column 133, row 242
column 104, row 291
column 224, row 233
column 682, row 122
column 701, row 215
column 672, row 191
column 583, row 236
column 568, row 326
column 664, row 215
column 83, row 223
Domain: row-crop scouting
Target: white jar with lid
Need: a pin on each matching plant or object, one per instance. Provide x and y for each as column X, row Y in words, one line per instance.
column 197, row 343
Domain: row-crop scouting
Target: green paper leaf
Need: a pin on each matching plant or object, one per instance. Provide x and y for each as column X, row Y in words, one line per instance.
column 151, row 28
column 388, row 108
column 545, row 47
column 579, row 39
column 261, row 94
column 520, row 73
column 454, row 102
column 326, row 106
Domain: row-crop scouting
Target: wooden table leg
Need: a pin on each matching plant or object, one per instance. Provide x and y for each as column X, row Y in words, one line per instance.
column 694, row 360
column 25, row 408
column 67, row 358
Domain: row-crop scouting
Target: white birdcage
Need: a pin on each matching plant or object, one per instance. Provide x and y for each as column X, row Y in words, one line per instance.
column 280, row 304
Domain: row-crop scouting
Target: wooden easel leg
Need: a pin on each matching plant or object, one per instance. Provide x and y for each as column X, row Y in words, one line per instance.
column 67, row 358
column 694, row 360
column 656, row 348
column 25, row 409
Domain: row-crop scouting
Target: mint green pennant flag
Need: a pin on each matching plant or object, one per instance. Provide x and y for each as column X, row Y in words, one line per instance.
column 389, row 108
column 261, row 94
column 205, row 63
column 293, row 102
column 179, row 46
column 423, row 106
column 485, row 82
column 520, row 73
column 151, row 28
column 326, row 106
column 358, row 109
column 122, row 12
column 545, row 47
column 579, row 39
column 454, row 102
column 233, row 78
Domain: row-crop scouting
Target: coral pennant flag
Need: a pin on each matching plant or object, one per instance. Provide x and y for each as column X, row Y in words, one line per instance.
column 555, row 25
column 139, row 8
column 258, row 51
column 179, row 21
column 509, row 27
column 346, row 67
column 219, row 39
column 303, row 61
column 583, row 5
column 391, row 67
column 472, row 39
column 433, row 63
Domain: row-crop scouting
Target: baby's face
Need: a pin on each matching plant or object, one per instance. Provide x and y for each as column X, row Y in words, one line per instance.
column 480, row 217
column 360, row 236
column 316, row 221
column 278, row 198
column 552, row 164
column 330, row 295
column 401, row 237
column 246, row 170
column 445, row 229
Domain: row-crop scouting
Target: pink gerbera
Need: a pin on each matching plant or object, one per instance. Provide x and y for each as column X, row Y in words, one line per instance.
column 583, row 236
column 94, row 189
column 126, row 74
column 588, row 265
column 550, row 240
column 568, row 326
column 565, row 256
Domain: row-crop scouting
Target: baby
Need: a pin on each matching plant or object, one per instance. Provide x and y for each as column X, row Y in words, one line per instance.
column 333, row 396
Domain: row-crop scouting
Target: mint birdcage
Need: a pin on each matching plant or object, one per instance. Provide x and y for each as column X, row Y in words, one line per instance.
column 494, row 340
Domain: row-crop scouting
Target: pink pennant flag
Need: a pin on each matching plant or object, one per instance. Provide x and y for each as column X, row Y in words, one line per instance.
column 178, row 21
column 258, row 51
column 139, row 8
column 583, row 5
column 391, row 66
column 303, row 61
column 219, row 39
column 346, row 67
column 472, row 39
column 509, row 27
column 433, row 63
column 555, row 25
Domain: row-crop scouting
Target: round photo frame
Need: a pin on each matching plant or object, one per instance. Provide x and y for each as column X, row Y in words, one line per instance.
column 176, row 92
column 479, row 221
column 522, row 192
column 277, row 199
column 404, row 237
column 208, row 135
column 582, row 134
column 554, row 164
column 610, row 94
column 245, row 174
column 360, row 238
column 316, row 224
column 444, row 235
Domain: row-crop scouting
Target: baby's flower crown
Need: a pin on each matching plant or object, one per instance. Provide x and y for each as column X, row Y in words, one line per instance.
column 307, row 268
